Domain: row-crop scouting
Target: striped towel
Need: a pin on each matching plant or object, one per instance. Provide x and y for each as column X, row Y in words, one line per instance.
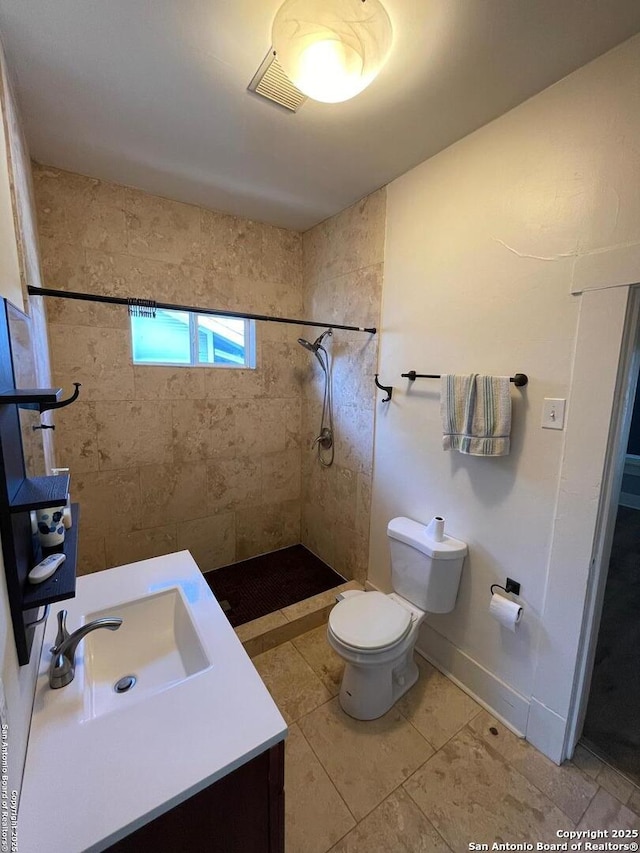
column 476, row 414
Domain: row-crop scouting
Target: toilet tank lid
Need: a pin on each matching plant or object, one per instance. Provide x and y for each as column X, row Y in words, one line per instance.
column 415, row 534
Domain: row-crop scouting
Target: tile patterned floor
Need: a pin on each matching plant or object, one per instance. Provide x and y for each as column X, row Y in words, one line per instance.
column 434, row 774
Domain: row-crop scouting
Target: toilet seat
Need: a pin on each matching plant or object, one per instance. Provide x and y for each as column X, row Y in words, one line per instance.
column 369, row 621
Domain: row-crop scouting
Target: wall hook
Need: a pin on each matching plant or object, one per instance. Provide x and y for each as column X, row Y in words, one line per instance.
column 387, row 388
column 46, row 407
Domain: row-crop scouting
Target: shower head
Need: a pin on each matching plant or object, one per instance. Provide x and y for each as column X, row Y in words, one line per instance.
column 307, row 345
column 313, row 347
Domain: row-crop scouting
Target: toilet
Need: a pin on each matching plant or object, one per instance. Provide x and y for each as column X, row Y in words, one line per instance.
column 375, row 634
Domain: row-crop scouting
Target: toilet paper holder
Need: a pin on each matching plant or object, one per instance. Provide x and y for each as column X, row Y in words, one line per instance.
column 510, row 586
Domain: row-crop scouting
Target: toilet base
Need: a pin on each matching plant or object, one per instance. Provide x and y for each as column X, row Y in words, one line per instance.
column 368, row 692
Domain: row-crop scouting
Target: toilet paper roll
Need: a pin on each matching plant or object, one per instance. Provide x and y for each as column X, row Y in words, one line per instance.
column 505, row 611
column 435, row 528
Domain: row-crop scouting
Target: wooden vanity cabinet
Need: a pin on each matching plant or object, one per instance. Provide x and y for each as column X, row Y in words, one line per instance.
column 240, row 813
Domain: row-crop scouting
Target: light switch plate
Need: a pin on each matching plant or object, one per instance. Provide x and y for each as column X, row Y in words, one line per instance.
column 553, row 413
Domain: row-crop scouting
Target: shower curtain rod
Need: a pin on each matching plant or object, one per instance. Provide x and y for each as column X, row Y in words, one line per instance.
column 150, row 305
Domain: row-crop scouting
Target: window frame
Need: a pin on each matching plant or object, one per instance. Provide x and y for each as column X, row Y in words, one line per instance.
column 249, row 344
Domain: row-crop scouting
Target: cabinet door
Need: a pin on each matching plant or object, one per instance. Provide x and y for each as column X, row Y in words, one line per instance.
column 242, row 812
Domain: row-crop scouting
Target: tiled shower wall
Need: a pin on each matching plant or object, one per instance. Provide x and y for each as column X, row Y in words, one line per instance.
column 170, row 458
column 343, row 265
column 210, row 459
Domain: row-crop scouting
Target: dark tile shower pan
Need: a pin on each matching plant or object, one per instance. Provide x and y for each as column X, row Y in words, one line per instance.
column 270, row 582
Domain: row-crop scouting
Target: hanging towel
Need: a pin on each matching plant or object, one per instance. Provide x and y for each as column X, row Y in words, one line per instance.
column 476, row 414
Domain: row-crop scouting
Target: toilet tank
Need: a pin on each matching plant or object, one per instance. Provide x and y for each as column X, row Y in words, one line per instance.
column 424, row 571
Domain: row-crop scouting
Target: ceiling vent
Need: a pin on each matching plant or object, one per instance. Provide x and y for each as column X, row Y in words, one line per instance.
column 272, row 83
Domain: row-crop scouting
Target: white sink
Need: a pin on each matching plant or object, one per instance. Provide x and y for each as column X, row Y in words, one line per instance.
column 114, row 768
column 157, row 643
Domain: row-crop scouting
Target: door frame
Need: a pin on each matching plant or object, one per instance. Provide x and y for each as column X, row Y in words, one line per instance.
column 624, row 397
column 574, row 574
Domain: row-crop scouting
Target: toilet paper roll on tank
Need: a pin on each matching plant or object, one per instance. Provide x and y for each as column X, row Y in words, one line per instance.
column 505, row 611
column 435, row 528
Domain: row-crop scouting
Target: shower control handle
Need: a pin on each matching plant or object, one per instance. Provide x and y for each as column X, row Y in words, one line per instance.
column 325, row 439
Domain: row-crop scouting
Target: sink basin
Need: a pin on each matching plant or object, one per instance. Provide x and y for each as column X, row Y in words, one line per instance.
column 157, row 643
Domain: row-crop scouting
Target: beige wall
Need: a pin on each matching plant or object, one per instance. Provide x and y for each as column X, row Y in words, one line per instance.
column 170, row 458
column 18, row 240
column 483, row 242
column 343, row 266
column 9, row 260
column 9, row 265
column 33, row 369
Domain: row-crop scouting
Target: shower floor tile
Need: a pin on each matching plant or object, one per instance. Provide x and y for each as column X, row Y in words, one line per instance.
column 262, row 585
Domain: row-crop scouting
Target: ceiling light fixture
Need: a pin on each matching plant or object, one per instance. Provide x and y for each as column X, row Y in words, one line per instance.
column 332, row 49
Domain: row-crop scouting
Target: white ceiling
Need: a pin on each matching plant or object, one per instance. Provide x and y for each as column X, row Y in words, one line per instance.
column 152, row 93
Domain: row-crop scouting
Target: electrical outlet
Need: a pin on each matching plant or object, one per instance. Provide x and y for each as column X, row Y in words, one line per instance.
column 553, row 413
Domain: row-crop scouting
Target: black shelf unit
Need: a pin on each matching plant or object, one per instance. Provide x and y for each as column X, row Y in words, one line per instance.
column 19, row 495
column 40, row 492
column 30, row 398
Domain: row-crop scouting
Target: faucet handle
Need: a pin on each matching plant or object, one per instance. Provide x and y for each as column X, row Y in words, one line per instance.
column 62, row 634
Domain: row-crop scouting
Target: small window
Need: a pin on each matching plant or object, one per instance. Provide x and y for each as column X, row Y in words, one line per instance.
column 185, row 338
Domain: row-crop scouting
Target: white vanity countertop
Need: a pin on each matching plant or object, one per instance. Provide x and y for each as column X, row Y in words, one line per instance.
column 90, row 782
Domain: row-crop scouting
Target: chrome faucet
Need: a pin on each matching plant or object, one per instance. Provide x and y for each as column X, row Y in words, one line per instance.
column 63, row 664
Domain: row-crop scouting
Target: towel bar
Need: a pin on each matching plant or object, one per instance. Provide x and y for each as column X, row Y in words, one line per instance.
column 519, row 380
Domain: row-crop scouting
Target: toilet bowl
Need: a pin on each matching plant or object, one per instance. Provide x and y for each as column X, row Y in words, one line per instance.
column 375, row 633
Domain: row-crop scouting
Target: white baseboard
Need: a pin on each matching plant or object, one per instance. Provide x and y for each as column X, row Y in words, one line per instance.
column 488, row 690
column 546, row 731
